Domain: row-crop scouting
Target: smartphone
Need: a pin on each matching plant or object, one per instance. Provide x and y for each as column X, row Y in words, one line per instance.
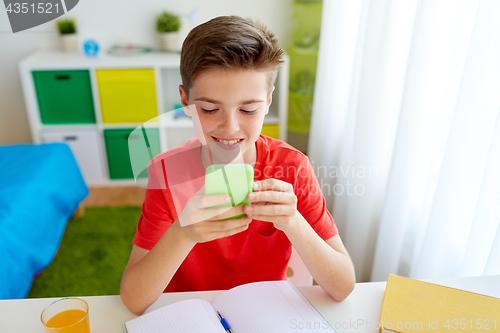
column 233, row 179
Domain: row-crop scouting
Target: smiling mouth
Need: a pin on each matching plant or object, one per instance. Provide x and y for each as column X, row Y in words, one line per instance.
column 227, row 142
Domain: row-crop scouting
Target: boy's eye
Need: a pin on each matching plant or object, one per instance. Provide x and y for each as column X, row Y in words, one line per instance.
column 208, row 111
column 213, row 110
column 249, row 112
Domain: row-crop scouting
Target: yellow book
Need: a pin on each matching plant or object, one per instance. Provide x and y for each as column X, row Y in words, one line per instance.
column 416, row 306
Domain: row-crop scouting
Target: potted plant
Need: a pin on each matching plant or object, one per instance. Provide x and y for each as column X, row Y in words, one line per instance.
column 69, row 38
column 168, row 25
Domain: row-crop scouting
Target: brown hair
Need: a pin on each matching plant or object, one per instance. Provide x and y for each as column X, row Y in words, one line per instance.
column 229, row 42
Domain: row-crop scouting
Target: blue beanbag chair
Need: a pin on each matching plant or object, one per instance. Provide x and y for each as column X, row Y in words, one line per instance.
column 41, row 186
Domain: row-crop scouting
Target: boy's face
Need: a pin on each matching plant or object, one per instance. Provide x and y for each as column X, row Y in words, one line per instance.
column 231, row 105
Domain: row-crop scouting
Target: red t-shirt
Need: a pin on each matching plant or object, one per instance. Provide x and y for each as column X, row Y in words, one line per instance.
column 260, row 253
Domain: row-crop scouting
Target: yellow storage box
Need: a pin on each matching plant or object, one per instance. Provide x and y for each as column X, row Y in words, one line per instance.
column 127, row 95
column 272, row 130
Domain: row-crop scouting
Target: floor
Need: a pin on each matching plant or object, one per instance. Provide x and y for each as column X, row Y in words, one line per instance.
column 115, row 196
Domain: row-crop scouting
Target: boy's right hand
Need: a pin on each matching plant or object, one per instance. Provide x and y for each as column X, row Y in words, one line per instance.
column 203, row 224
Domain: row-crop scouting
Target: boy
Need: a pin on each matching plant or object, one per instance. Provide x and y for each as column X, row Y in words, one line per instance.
column 228, row 68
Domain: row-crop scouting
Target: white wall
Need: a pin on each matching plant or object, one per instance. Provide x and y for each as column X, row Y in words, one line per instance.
column 110, row 22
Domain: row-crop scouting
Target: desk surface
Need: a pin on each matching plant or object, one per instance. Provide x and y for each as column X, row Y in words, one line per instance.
column 358, row 313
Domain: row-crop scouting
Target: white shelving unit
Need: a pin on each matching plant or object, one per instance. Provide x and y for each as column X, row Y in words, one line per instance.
column 172, row 132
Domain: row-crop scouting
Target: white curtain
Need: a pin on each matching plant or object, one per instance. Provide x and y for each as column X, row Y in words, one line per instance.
column 405, row 134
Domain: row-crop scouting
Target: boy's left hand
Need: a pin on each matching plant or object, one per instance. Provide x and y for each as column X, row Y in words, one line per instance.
column 273, row 201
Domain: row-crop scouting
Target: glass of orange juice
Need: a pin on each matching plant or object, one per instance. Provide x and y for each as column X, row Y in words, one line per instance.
column 67, row 315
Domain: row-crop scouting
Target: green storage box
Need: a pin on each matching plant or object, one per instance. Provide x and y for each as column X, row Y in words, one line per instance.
column 64, row 97
column 117, row 151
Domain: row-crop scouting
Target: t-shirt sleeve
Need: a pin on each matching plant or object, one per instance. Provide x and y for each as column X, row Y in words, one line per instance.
column 155, row 214
column 311, row 202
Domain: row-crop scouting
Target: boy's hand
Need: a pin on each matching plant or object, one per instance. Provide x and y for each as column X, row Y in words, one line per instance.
column 273, row 201
column 204, row 224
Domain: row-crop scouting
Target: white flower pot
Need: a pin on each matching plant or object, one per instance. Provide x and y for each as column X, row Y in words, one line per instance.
column 70, row 43
column 170, row 41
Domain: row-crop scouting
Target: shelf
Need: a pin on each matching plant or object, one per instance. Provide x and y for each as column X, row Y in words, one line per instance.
column 130, row 125
column 76, row 127
column 54, row 60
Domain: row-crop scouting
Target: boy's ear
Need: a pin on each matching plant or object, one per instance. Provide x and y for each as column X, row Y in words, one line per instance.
column 184, row 100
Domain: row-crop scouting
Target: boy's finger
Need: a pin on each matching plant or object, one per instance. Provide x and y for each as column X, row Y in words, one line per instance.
column 230, row 224
column 271, row 218
column 215, row 214
column 230, row 232
column 272, row 184
column 271, row 210
column 233, row 211
column 213, row 200
column 270, row 196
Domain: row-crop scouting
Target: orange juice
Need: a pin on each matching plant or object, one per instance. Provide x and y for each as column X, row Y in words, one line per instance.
column 74, row 321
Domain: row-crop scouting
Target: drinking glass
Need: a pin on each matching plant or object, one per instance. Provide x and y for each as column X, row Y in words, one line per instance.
column 66, row 315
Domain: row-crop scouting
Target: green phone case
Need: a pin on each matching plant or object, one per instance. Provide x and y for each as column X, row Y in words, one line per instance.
column 233, row 179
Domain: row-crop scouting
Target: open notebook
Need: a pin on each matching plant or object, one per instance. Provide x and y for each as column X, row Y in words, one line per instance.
column 271, row 306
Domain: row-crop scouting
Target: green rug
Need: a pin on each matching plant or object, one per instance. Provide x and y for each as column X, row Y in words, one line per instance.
column 92, row 256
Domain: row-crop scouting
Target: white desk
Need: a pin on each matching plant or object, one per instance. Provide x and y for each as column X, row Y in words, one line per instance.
column 358, row 313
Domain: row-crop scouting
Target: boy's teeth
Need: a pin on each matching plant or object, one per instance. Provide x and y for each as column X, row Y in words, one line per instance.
column 231, row 142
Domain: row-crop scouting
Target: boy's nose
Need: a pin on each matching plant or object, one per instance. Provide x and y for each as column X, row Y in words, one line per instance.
column 230, row 124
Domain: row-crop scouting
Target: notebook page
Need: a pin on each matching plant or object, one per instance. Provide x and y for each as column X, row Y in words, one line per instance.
column 192, row 315
column 272, row 306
